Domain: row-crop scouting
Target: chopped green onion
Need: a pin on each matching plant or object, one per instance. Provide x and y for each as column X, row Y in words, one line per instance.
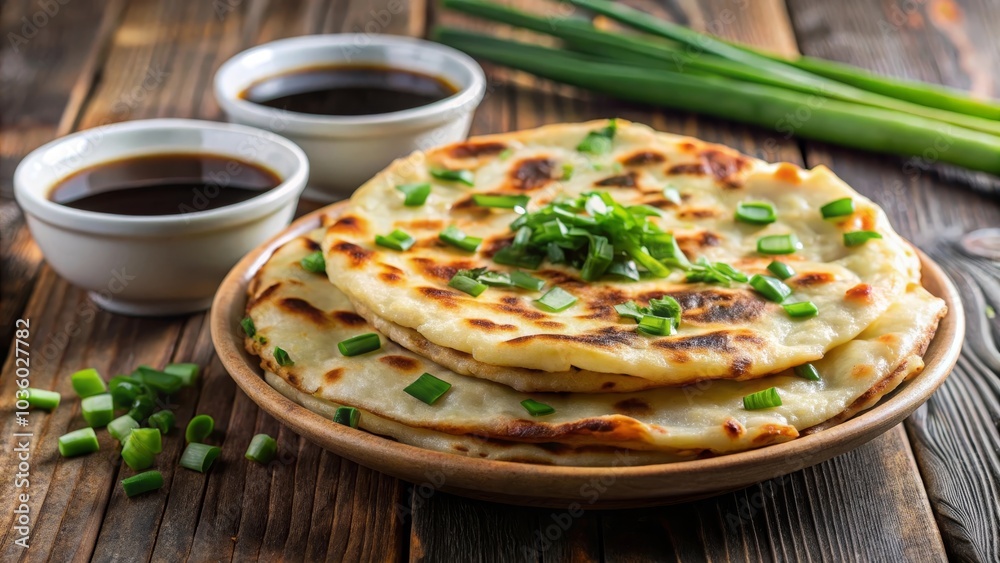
column 510, row 256
column 624, row 268
column 536, row 408
column 360, row 344
column 248, row 328
column 522, row 237
column 756, row 212
column 77, row 442
column 599, row 141
column 160, row 381
column 495, row 279
column 120, row 427
column 199, row 428
column 657, row 326
column 807, row 371
column 838, row 208
column 524, row 281
column 455, row 237
column 665, row 306
column 87, row 382
column 428, row 388
column 142, row 483
column 98, row 410
column 860, row 237
column 124, row 390
column 780, row 269
column 142, row 407
column 282, row 357
column 396, row 240
column 348, row 416
column 644, row 211
column 261, row 449
column 599, row 258
column 567, row 171
column 501, row 201
column 778, row 244
column 135, row 453
column 765, row 399
column 466, row 284
column 187, row 372
column 462, row 176
column 671, row 194
column 164, row 421
column 314, row 263
column 149, row 438
column 771, row 288
column 663, row 246
column 556, row 300
column 415, row 194
column 730, row 272
column 43, row 399
column 505, row 154
column 630, row 310
column 199, row 457
column 802, row 309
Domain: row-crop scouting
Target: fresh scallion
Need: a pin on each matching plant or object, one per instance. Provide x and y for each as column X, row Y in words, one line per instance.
column 730, row 272
column 657, row 326
column 87, row 382
column 599, row 141
column 348, row 416
column 186, row 371
column 98, row 410
column 524, row 281
column 756, row 212
column 120, row 427
column 468, row 285
column 860, row 237
column 415, row 194
column 630, row 310
column 314, row 263
column 801, row 310
column 282, row 357
column 771, row 288
column 461, row 176
column 556, row 300
column 78, row 442
column 199, row 457
column 427, row 388
column 43, row 399
column 248, row 327
column 671, row 194
column 142, row 406
column 778, row 244
column 135, row 454
column 396, row 240
column 519, row 258
column 142, row 483
column 766, row 399
column 455, row 237
column 164, row 421
column 199, row 428
column 149, row 438
column 262, row 449
column 807, row 371
column 360, row 344
column 160, row 381
column 536, row 408
column 665, row 306
column 837, row 208
column 781, row 270
column 501, row 201
column 124, row 390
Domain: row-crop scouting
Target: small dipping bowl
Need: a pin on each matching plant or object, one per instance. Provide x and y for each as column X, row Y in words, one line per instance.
column 346, row 151
column 160, row 264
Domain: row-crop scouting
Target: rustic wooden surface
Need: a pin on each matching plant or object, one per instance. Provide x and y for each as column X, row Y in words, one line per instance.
column 925, row 491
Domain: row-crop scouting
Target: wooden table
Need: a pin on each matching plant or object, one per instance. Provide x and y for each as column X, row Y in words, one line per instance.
column 924, row 491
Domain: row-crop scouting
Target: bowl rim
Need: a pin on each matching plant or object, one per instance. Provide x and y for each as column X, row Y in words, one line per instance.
column 556, row 486
column 229, row 99
column 34, row 202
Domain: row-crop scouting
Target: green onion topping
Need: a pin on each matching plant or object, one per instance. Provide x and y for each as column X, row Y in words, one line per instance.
column 396, row 240
column 807, row 371
column 756, row 212
column 778, row 244
column 98, row 410
column 781, row 270
column 468, row 285
column 261, row 449
column 535, row 408
column 282, row 357
column 461, row 176
column 314, row 263
column 199, row 428
column 765, row 399
column 360, row 344
column 455, row 237
column 599, row 141
column 416, row 194
column 705, row 272
column 859, row 237
column 567, row 171
column 657, row 326
column 802, row 309
column 837, row 208
column 671, row 194
column 43, row 399
column 160, row 381
column 556, row 300
column 164, row 421
column 78, row 442
column 501, row 201
column 121, row 427
column 87, row 382
column 771, row 288
column 428, row 388
column 142, row 483
column 248, row 327
column 199, row 457
column 187, row 372
column 348, row 416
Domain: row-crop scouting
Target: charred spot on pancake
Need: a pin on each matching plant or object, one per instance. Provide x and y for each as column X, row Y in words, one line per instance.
column 333, row 375
column 559, row 277
column 549, row 324
column 494, row 245
column 740, row 366
column 633, row 406
column 357, row 255
column 692, row 244
column 628, row 180
column 532, row 173
column 310, row 244
column 787, row 172
column 725, row 166
column 889, row 338
column 488, row 325
column 607, row 385
column 718, row 341
column 862, row 292
column 604, row 337
column 698, row 213
column 713, row 305
column 601, row 303
column 349, row 318
column 292, row 379
column 861, row 370
column 807, row 279
column 302, row 308
column 348, row 224
column 400, row 363
column 422, row 224
column 642, row 158
column 460, row 448
column 771, row 433
column 687, row 146
column 733, row 428
column 443, row 296
column 528, row 430
column 439, row 270
column 687, row 169
column 475, row 150
column 390, row 277
column 512, row 305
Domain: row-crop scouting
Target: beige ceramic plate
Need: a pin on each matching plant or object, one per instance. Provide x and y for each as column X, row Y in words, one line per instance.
column 561, row 487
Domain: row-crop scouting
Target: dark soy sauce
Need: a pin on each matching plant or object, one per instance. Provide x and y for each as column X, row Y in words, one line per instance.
column 348, row 90
column 163, row 184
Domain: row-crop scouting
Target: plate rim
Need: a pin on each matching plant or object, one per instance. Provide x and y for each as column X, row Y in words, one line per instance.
column 645, row 484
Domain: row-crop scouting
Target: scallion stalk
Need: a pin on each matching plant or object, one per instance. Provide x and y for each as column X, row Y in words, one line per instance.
column 121, row 427
column 87, row 382
column 43, row 399
column 199, row 428
column 360, row 344
column 164, row 421
column 428, row 388
column 348, row 416
column 142, row 483
column 199, row 457
column 78, row 442
column 98, row 410
column 766, row 399
column 262, row 449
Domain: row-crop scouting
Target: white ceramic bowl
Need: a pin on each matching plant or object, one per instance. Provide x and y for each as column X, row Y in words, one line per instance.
column 158, row 265
column 345, row 151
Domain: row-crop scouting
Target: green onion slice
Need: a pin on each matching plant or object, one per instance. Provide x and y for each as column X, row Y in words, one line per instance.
column 567, row 171
column 665, row 306
column 630, row 310
column 756, row 212
column 78, row 442
column 142, row 407
column 468, row 285
column 314, row 263
column 657, row 326
column 455, row 237
column 124, row 390
column 415, row 194
column 510, row 256
column 428, row 388
column 248, row 328
column 599, row 141
column 556, row 300
column 671, row 194
column 282, row 357
column 164, row 421
column 121, row 427
column 142, row 483
column 199, row 457
column 98, row 410
column 730, row 272
column 261, row 449
column 149, row 438
column 838, row 208
column 860, row 237
column 771, row 288
column 360, row 344
column 781, row 270
column 778, row 244
column 160, row 381
column 87, row 382
column 524, row 281
column 461, row 176
column 199, row 428
column 186, row 371
column 348, row 416
column 43, row 398
column 536, row 408
column 766, row 399
column 501, row 201
column 135, row 453
column 396, row 240
column 802, row 309
column 807, row 371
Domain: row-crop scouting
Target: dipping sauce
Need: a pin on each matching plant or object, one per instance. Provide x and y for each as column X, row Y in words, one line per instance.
column 348, row 90
column 164, row 184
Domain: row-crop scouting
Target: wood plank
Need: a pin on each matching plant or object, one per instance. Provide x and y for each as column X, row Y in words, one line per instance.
column 955, row 438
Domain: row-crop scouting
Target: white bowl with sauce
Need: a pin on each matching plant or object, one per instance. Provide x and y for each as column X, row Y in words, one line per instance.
column 346, row 150
column 161, row 264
